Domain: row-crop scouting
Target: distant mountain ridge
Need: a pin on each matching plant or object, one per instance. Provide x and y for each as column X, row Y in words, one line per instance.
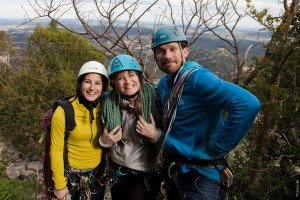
column 206, row 49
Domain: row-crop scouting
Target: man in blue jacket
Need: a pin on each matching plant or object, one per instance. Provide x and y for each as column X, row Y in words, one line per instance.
column 198, row 134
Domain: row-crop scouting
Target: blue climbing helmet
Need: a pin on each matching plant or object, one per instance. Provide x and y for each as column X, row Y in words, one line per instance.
column 165, row 34
column 123, row 62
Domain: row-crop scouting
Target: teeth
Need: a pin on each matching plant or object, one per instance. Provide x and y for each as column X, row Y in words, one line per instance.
column 129, row 86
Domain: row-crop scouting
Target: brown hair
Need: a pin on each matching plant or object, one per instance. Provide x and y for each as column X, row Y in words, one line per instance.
column 138, row 103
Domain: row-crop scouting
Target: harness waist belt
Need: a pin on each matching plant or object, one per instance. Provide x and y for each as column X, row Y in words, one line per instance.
column 122, row 170
column 198, row 162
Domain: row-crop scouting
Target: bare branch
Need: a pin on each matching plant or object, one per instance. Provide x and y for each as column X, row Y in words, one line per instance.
column 171, row 12
column 135, row 21
column 111, row 23
column 285, row 5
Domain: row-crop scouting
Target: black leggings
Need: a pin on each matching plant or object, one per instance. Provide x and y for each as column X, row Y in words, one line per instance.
column 136, row 187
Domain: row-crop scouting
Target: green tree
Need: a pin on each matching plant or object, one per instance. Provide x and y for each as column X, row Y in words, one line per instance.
column 272, row 148
column 47, row 70
column 6, row 50
column 6, row 47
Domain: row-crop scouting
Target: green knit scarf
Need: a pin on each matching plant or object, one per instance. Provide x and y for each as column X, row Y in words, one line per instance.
column 111, row 112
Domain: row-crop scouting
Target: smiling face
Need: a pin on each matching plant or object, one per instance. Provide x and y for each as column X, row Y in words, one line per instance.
column 170, row 56
column 92, row 86
column 127, row 82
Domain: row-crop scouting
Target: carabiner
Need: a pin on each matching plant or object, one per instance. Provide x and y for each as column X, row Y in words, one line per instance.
column 170, row 173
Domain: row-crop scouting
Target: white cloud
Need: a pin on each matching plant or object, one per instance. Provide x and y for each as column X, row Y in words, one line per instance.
column 275, row 7
column 12, row 8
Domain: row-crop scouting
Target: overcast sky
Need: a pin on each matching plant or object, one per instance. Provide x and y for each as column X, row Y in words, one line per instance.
column 13, row 9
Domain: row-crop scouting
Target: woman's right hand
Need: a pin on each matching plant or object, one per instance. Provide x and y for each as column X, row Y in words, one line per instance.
column 113, row 136
column 61, row 194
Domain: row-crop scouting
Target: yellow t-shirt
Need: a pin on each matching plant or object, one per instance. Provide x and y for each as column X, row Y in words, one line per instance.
column 84, row 151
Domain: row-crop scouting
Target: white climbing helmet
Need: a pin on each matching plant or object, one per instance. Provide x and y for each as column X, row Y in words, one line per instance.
column 93, row 67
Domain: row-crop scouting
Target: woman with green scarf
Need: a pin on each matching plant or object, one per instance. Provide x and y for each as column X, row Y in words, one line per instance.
column 131, row 113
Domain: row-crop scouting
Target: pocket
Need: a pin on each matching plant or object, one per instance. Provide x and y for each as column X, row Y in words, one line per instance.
column 206, row 188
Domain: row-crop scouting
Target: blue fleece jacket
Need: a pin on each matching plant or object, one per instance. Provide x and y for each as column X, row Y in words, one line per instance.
column 200, row 130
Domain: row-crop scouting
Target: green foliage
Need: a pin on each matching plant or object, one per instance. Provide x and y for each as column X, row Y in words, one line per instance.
column 3, row 162
column 61, row 55
column 48, row 70
column 16, row 189
column 263, row 16
column 265, row 168
column 294, row 32
column 20, row 110
column 280, row 153
column 277, row 176
column 277, row 179
column 6, row 47
column 276, row 131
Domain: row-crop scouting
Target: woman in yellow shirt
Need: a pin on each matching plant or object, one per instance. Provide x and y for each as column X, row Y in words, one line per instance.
column 84, row 152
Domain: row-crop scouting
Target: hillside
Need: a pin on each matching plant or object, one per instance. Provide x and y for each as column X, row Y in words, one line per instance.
column 206, row 50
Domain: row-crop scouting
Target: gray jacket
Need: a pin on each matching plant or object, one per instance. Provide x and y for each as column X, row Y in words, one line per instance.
column 134, row 150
